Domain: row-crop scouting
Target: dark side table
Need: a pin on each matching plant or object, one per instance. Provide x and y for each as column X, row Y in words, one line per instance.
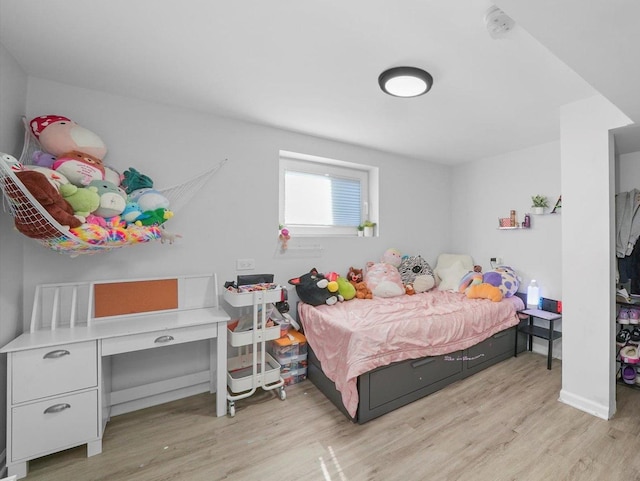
column 547, row 333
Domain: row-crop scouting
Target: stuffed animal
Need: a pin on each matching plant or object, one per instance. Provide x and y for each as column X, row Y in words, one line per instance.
column 48, row 196
column 409, row 290
column 112, row 199
column 384, row 280
column 355, row 275
column 131, row 212
column 504, row 278
column 84, row 200
column 392, row 256
column 346, row 290
column 154, row 217
column 312, row 289
column 43, row 159
column 363, row 291
column 149, row 199
column 413, row 267
column 484, row 291
column 113, row 176
column 58, row 134
column 56, row 179
column 133, row 180
column 79, row 168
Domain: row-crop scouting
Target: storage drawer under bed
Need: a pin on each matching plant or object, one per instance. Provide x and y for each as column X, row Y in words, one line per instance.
column 500, row 345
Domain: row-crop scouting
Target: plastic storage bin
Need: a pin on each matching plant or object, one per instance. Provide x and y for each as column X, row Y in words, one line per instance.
column 295, row 376
column 291, row 345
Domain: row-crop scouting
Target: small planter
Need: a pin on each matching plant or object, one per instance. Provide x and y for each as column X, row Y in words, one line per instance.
column 537, row 210
column 360, row 233
column 368, row 231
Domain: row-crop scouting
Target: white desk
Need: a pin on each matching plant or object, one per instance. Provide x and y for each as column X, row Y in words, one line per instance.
column 59, row 380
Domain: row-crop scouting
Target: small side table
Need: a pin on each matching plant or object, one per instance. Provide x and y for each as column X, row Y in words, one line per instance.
column 544, row 333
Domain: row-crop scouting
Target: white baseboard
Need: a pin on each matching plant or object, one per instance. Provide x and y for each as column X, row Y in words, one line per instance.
column 147, row 395
column 586, row 405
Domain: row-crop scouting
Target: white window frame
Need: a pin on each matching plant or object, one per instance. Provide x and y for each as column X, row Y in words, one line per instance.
column 368, row 176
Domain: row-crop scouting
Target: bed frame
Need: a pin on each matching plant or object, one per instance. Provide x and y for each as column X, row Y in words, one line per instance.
column 387, row 388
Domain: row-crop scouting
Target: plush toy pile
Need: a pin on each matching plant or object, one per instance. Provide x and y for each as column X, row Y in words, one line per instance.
column 494, row 285
column 95, row 202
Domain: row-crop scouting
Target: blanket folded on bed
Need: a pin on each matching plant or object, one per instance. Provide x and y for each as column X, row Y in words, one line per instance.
column 354, row 337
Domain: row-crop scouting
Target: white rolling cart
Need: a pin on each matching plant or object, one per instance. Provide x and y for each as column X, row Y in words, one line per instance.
column 253, row 367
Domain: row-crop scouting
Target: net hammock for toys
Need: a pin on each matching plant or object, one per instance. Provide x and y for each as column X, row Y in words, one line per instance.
column 48, row 232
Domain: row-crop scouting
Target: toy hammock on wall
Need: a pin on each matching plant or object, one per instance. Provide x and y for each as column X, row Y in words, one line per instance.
column 47, row 231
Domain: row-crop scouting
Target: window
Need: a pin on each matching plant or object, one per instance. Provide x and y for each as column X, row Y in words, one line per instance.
column 325, row 197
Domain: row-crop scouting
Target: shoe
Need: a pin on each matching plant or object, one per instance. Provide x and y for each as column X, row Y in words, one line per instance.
column 623, row 337
column 635, row 335
column 628, row 374
column 634, row 316
column 623, row 316
column 629, row 355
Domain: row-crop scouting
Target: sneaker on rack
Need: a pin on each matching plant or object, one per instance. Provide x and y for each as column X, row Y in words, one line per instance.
column 623, row 316
column 634, row 316
column 623, row 337
column 635, row 335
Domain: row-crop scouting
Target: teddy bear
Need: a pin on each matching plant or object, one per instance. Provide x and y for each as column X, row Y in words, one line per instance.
column 84, row 200
column 312, row 288
column 363, row 291
column 47, row 195
column 354, row 275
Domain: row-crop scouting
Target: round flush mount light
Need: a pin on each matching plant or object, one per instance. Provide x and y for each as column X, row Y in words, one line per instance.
column 405, row 81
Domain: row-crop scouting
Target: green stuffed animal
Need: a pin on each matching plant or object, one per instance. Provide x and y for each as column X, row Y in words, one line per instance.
column 154, row 217
column 346, row 289
column 84, row 200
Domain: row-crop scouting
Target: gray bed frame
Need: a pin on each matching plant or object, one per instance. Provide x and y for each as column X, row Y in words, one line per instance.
column 389, row 387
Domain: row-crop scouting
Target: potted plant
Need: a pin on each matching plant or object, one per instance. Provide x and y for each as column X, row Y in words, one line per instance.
column 539, row 202
column 368, row 228
column 360, row 230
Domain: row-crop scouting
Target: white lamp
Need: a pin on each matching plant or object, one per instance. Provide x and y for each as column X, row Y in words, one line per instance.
column 533, row 294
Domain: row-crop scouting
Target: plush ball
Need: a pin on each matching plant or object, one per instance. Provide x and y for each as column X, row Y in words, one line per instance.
column 384, row 280
column 412, row 267
column 79, row 168
column 505, row 280
column 112, row 200
column 58, row 134
column 312, row 289
column 392, row 256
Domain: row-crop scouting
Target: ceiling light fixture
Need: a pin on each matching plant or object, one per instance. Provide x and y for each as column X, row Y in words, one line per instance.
column 405, row 81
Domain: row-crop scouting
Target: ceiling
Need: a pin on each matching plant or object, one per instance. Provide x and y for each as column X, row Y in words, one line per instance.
column 312, row 67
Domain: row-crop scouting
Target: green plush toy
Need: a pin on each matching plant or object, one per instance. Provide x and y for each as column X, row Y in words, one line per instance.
column 84, row 200
column 346, row 289
column 154, row 217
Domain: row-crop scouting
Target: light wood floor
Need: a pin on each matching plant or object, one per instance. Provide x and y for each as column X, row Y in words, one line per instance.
column 504, row 423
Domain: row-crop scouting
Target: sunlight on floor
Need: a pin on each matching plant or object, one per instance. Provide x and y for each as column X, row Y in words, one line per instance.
column 334, row 459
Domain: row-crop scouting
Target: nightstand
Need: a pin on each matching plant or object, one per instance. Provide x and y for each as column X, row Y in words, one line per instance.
column 542, row 332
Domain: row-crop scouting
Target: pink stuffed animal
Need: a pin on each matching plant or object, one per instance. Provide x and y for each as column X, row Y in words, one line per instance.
column 384, row 280
column 58, row 134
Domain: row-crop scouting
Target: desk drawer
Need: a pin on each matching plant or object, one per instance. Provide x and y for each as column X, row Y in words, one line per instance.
column 38, row 373
column 70, row 421
column 150, row 340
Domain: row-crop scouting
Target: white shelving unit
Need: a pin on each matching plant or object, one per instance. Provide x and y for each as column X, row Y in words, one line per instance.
column 253, row 367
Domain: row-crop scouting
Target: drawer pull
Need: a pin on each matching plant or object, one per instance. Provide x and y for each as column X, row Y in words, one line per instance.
column 57, row 408
column 422, row 362
column 500, row 334
column 163, row 339
column 56, row 354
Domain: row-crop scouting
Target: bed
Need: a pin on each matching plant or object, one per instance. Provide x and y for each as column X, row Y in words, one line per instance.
column 372, row 356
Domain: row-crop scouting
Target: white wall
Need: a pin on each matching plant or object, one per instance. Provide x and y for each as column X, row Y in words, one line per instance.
column 13, row 97
column 489, row 188
column 236, row 214
column 628, row 172
column 588, row 255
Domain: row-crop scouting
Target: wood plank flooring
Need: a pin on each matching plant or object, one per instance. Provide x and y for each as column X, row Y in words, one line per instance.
column 504, row 423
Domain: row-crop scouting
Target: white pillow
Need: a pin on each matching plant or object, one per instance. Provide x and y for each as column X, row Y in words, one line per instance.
column 451, row 276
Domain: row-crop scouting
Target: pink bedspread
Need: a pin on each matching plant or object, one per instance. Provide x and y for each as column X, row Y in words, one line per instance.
column 353, row 337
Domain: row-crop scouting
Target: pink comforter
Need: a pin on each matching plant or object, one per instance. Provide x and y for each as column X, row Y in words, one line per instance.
column 351, row 338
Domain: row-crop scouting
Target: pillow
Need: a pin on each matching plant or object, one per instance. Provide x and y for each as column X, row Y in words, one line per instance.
column 447, row 260
column 451, row 276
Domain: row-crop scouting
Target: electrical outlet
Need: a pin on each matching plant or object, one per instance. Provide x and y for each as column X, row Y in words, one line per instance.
column 496, row 261
column 245, row 264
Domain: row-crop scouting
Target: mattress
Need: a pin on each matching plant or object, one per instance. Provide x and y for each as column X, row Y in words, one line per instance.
column 357, row 336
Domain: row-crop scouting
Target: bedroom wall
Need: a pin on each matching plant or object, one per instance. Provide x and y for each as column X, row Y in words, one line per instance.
column 236, row 214
column 489, row 188
column 628, row 172
column 13, row 98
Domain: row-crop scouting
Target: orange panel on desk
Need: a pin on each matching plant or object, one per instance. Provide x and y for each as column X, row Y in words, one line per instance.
column 119, row 298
